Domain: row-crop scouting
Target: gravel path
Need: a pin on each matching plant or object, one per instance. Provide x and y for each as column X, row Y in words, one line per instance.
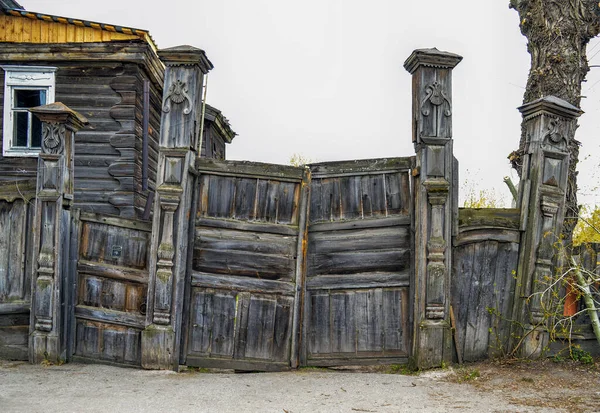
column 98, row 388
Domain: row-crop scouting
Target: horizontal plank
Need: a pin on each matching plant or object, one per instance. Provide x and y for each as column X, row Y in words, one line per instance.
column 359, row 281
column 14, row 335
column 247, row 226
column 103, row 315
column 237, row 283
column 360, row 167
column 15, row 308
column 244, row 263
column 17, row 319
column 359, row 239
column 116, row 221
column 250, row 169
column 242, row 365
column 393, row 260
column 330, row 361
column 235, row 240
column 112, row 271
column 361, row 223
column 468, row 235
column 17, row 189
column 489, row 217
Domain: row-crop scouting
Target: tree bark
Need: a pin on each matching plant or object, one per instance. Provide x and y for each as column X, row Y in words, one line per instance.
column 557, row 32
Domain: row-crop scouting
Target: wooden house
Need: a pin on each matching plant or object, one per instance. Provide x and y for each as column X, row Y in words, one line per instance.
column 112, row 75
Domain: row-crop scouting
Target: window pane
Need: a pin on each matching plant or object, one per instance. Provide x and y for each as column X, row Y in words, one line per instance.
column 25, row 98
column 36, row 132
column 20, row 129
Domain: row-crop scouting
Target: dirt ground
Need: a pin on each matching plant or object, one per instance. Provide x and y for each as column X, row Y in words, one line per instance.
column 484, row 387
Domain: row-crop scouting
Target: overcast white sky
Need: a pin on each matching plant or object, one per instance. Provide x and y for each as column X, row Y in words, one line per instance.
column 324, row 78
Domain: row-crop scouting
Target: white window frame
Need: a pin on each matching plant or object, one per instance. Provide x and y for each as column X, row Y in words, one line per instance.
column 23, row 77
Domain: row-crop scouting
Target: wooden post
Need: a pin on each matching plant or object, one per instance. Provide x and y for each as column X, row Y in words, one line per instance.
column 173, row 209
column 434, row 177
column 550, row 122
column 54, row 196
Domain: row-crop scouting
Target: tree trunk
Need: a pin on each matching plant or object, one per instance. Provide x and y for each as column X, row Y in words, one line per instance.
column 558, row 32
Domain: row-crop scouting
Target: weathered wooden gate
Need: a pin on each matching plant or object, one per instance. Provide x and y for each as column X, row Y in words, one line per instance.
column 357, row 301
column 246, row 296
column 244, row 288
column 110, row 288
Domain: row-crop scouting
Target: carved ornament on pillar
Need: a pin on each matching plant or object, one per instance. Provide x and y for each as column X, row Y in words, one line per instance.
column 53, row 137
column 436, row 96
column 437, row 195
column 165, row 255
column 545, row 251
column 178, row 93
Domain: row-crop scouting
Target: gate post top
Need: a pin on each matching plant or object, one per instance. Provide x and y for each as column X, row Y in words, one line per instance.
column 550, row 105
column 185, row 56
column 58, row 112
column 431, row 58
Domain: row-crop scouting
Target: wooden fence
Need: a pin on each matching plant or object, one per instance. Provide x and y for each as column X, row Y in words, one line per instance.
column 267, row 267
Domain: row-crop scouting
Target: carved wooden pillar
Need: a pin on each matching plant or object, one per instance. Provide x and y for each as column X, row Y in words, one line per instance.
column 434, row 176
column 54, row 196
column 173, row 209
column 550, row 123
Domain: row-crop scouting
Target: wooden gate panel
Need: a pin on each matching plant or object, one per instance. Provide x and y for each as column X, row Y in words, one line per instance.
column 245, row 266
column 112, row 284
column 359, row 263
column 16, row 219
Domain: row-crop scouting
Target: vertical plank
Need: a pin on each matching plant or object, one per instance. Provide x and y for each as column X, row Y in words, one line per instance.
column 113, row 295
column 132, row 346
column 369, row 320
column 320, row 337
column 394, row 194
column 220, row 196
column 270, row 203
column 473, row 302
column 204, row 182
column 201, row 321
column 16, row 252
column 350, row 192
column 244, row 198
column 343, row 322
column 316, row 201
column 261, row 328
column 281, row 335
column 287, row 203
column 224, row 306
column 113, row 345
column 392, row 320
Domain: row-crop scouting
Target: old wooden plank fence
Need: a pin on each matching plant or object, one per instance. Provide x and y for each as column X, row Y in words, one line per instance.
column 256, row 266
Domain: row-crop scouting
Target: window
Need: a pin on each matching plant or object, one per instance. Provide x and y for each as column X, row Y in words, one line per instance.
column 25, row 87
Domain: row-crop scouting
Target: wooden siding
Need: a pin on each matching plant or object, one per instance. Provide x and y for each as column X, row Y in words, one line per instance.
column 485, row 258
column 15, row 277
column 112, row 280
column 359, row 265
column 24, row 30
